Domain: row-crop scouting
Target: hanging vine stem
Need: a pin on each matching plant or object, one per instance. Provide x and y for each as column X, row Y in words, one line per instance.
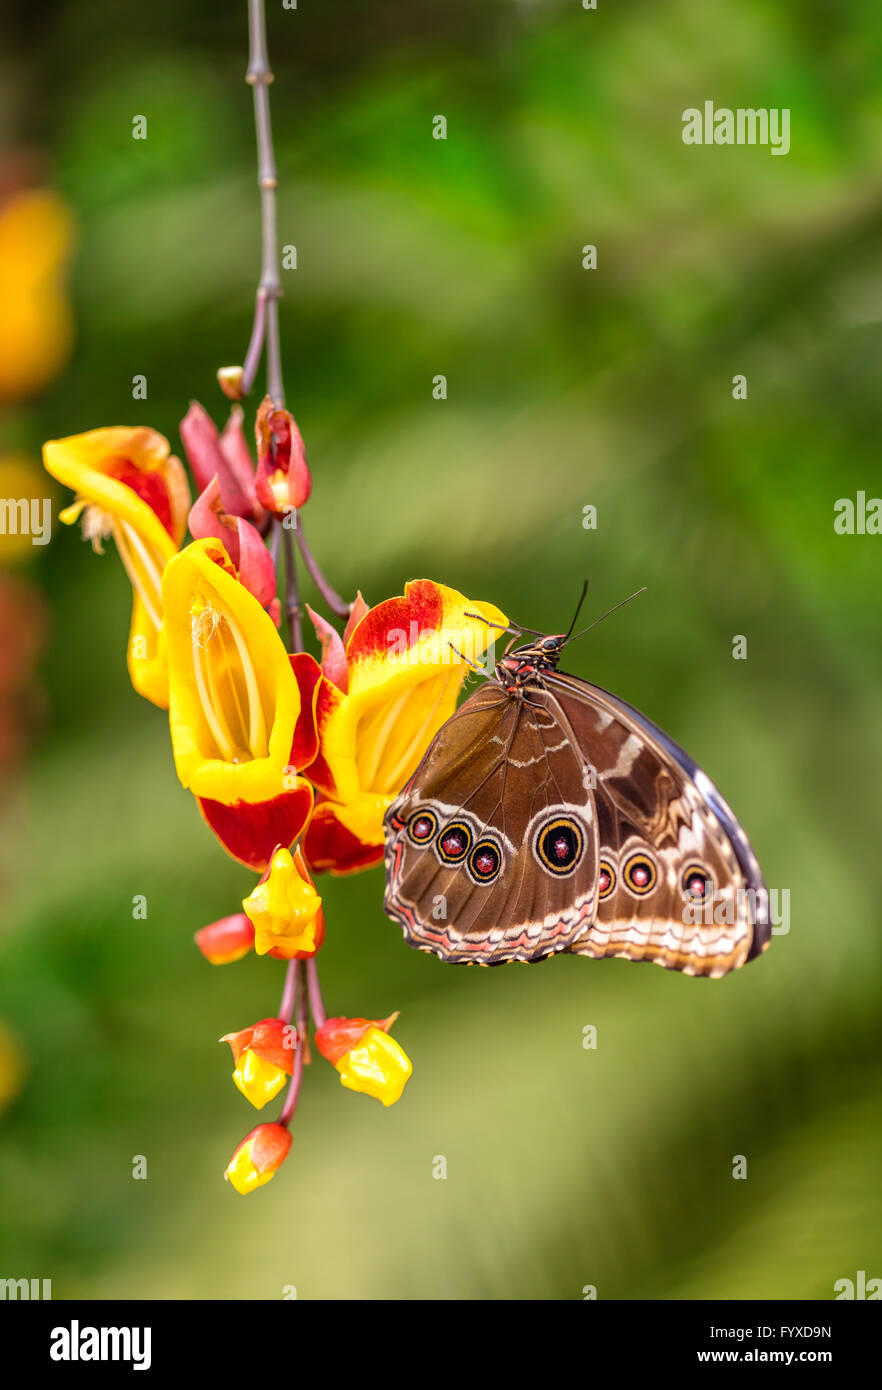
column 316, row 1003
column 265, row 332
column 269, row 291
column 289, row 993
column 301, row 993
column 292, row 592
column 293, row 1095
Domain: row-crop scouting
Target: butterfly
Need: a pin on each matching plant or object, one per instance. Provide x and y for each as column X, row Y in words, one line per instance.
column 548, row 815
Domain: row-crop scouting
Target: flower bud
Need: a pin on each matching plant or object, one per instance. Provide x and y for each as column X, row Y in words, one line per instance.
column 229, row 379
column 227, row 940
column 242, row 543
column 286, row 909
column 367, row 1059
column 258, row 1157
column 223, row 456
column 283, row 479
column 264, row 1057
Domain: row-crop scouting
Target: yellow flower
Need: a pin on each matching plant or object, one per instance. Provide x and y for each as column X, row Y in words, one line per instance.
column 285, row 910
column 36, row 231
column 405, row 662
column 367, row 1059
column 258, row 1158
column 130, row 487
column 240, row 729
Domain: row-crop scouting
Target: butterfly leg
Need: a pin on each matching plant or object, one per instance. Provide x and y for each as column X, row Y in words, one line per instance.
column 474, row 665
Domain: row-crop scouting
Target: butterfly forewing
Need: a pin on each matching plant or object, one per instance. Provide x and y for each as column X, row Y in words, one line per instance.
column 492, row 847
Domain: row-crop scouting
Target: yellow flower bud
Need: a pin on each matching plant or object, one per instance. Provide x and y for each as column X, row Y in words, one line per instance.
column 258, row 1157
column 378, row 1066
column 285, row 910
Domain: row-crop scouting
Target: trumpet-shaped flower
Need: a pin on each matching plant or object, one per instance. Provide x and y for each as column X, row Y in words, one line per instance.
column 405, row 662
column 128, row 486
column 258, row 1158
column 241, row 711
column 286, row 910
column 367, row 1059
column 264, row 1057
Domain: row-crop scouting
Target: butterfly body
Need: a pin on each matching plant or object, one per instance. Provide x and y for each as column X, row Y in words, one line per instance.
column 547, row 815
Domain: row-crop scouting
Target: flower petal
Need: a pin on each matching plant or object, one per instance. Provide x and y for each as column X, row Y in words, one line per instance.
column 129, row 474
column 345, row 839
column 233, row 697
column 334, row 666
column 209, row 458
column 250, row 833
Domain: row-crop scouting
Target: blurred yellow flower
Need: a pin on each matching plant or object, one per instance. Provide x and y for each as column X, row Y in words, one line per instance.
column 25, row 495
column 12, row 1067
column 36, row 326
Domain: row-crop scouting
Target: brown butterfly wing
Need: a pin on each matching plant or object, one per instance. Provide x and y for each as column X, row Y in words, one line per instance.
column 491, row 849
column 679, row 883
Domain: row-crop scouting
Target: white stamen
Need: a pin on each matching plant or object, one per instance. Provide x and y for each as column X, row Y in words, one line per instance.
column 257, row 736
column 149, row 598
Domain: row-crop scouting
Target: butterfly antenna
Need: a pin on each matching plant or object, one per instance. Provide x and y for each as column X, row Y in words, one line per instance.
column 578, row 610
column 607, row 613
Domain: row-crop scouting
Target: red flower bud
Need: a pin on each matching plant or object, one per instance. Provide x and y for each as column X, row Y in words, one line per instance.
column 222, row 456
column 242, row 542
column 230, row 379
column 283, row 479
column 272, row 1039
column 226, row 940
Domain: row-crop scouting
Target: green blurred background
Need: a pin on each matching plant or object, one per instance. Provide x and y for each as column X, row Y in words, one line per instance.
column 566, row 1167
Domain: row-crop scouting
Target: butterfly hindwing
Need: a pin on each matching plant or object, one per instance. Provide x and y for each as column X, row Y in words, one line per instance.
column 679, row 884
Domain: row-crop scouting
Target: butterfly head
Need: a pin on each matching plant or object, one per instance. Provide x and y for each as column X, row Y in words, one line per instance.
column 525, row 664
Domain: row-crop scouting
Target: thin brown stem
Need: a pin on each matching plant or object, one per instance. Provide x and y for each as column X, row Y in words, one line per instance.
column 266, row 312
column 292, row 594
column 255, row 347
